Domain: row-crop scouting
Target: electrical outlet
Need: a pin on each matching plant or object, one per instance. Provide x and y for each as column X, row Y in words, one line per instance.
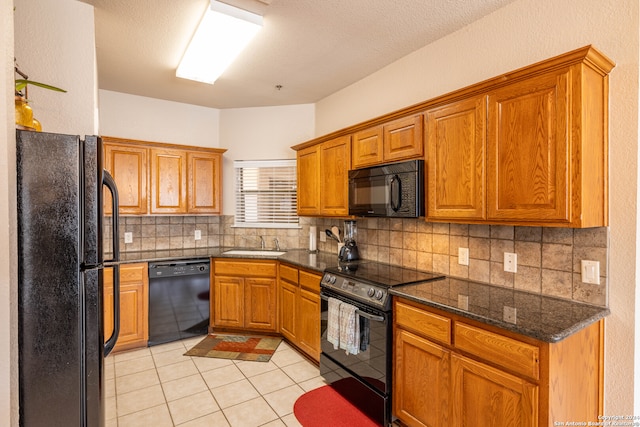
column 323, row 237
column 463, row 256
column 128, row 237
column 510, row 262
column 197, row 235
column 509, row 314
column 463, row 302
column 590, row 272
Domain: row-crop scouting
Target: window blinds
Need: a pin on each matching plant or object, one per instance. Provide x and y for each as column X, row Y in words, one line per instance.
column 266, row 193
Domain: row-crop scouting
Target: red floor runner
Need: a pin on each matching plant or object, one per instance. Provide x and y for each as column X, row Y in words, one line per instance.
column 324, row 407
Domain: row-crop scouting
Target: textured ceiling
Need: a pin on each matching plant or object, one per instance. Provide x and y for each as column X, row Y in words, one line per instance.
column 311, row 48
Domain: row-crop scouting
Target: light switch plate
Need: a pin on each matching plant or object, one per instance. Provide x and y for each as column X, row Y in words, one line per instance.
column 510, row 262
column 128, row 237
column 197, row 235
column 509, row 314
column 463, row 302
column 590, row 271
column 463, row 256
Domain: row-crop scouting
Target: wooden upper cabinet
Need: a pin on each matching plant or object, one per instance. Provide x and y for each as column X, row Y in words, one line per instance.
column 400, row 139
column 168, row 181
column 366, row 147
column 128, row 166
column 548, row 149
column 403, row 139
column 335, row 158
column 204, row 192
column 323, row 187
column 529, row 160
column 161, row 178
column 308, row 170
column 456, row 138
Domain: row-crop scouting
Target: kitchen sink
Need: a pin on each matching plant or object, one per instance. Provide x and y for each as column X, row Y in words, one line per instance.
column 253, row 252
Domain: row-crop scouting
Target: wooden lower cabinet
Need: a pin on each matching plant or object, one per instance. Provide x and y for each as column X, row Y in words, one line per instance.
column 486, row 396
column 453, row 371
column 244, row 295
column 134, row 306
column 421, row 392
column 299, row 309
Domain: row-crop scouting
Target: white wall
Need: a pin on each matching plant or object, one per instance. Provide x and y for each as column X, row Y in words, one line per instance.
column 55, row 44
column 8, row 270
column 522, row 33
column 148, row 119
column 259, row 134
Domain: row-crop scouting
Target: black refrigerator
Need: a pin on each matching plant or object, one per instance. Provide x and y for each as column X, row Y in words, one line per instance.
column 60, row 184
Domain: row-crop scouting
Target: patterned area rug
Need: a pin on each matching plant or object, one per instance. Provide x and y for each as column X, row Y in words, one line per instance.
column 236, row 347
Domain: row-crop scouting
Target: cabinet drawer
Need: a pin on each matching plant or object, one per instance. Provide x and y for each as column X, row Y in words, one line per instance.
column 132, row 273
column 289, row 274
column 310, row 281
column 512, row 354
column 427, row 324
column 245, row 268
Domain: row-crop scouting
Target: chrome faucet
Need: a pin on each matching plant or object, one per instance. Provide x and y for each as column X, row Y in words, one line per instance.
column 262, row 244
column 275, row 241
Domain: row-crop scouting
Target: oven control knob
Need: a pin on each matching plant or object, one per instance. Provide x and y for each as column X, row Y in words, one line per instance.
column 379, row 294
column 332, row 279
column 371, row 292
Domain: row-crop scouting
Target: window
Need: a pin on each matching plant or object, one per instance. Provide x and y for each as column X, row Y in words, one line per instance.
column 266, row 193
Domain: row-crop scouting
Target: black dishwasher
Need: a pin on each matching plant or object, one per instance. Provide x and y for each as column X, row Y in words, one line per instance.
column 178, row 300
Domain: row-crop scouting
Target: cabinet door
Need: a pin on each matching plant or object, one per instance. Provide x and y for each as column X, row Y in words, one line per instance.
column 134, row 306
column 128, row 166
column 367, row 147
column 308, row 323
column 335, row 161
column 421, row 381
column 308, row 170
column 228, row 294
column 168, row 181
column 485, row 396
column 403, row 139
column 260, row 304
column 456, row 136
column 288, row 319
column 528, row 150
column 204, row 186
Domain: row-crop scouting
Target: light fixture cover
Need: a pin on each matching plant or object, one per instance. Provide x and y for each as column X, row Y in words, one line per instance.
column 222, row 34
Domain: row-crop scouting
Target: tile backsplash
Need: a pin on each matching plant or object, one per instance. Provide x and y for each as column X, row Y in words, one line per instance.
column 548, row 259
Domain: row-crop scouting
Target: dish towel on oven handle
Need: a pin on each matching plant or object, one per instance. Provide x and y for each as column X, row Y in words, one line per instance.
column 333, row 322
column 349, row 328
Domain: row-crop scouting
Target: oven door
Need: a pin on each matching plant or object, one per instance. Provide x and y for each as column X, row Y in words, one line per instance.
column 372, row 363
column 364, row 378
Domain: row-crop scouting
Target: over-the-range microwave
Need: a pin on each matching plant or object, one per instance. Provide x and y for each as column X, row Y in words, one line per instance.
column 390, row 190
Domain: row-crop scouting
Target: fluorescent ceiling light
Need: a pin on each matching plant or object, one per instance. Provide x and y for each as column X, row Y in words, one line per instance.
column 222, row 34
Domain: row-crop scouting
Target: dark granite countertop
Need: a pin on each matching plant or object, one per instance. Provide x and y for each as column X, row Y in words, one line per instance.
column 299, row 257
column 541, row 317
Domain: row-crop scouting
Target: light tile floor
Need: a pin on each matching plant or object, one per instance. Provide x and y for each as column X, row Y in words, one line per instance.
column 159, row 386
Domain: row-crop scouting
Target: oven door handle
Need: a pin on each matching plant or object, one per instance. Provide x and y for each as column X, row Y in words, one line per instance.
column 364, row 314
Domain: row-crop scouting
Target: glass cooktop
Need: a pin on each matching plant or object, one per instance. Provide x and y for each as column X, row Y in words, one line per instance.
column 382, row 274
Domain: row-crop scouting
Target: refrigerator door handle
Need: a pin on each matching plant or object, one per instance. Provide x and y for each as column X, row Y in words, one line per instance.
column 111, row 342
column 110, row 183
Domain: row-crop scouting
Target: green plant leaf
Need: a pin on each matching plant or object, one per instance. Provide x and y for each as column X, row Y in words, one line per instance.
column 22, row 83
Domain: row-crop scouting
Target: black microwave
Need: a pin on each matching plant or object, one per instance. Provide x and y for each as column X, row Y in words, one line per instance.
column 390, row 190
